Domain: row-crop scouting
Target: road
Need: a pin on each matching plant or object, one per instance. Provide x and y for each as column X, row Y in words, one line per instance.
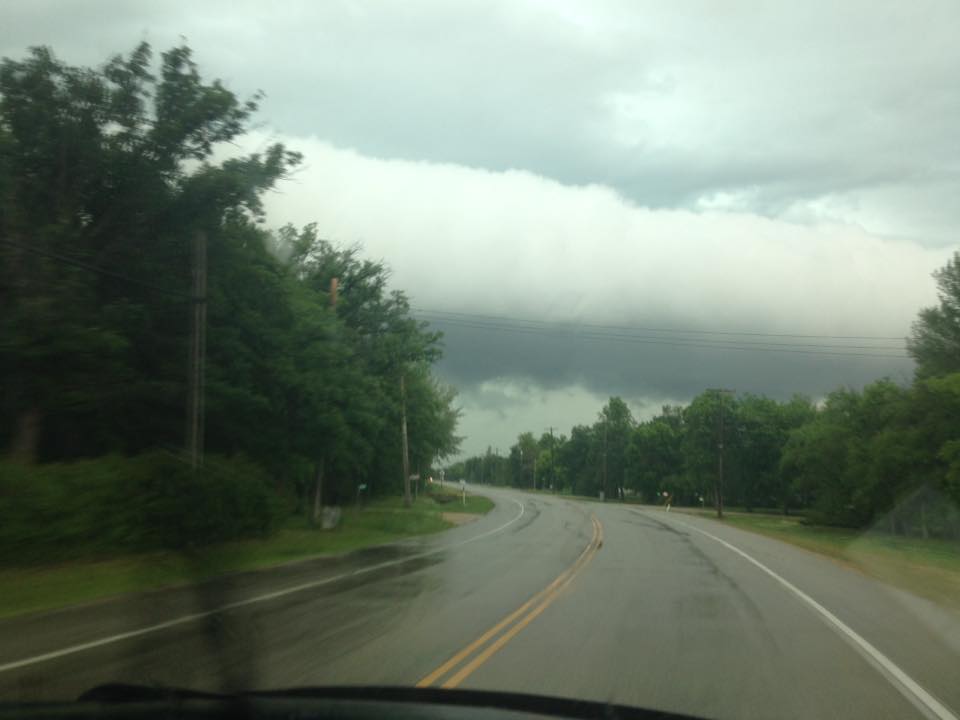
column 542, row 595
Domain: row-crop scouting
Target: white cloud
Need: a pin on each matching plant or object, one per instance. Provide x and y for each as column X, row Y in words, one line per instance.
column 513, row 243
column 517, row 244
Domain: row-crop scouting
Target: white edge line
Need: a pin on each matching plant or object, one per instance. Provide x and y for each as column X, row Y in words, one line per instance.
column 907, row 685
column 184, row 619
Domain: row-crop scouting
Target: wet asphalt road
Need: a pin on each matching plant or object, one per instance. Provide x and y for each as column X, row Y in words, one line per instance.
column 660, row 615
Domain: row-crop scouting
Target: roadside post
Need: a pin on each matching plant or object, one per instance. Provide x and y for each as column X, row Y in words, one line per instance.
column 463, row 491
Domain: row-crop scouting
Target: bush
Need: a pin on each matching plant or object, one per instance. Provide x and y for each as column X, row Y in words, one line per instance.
column 111, row 505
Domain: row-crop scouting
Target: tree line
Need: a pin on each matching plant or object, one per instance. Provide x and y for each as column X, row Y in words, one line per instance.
column 884, row 456
column 108, row 176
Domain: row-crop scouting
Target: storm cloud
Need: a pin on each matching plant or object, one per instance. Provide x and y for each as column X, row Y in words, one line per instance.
column 547, row 291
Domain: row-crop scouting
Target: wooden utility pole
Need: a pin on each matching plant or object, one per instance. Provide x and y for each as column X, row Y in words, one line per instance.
column 605, row 459
column 718, row 488
column 198, row 352
column 318, row 487
column 553, row 460
column 403, row 435
column 720, row 464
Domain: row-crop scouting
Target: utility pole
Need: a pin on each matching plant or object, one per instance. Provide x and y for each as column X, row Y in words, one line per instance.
column 198, row 352
column 553, row 466
column 520, row 447
column 604, row 458
column 720, row 464
column 534, row 472
column 318, row 487
column 718, row 488
column 403, row 434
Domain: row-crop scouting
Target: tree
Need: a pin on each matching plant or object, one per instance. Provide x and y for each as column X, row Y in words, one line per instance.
column 384, row 343
column 759, row 431
column 843, row 462
column 702, row 422
column 523, row 455
column 614, row 427
column 106, row 176
column 109, row 168
column 580, row 459
column 655, row 458
column 794, row 414
column 934, row 341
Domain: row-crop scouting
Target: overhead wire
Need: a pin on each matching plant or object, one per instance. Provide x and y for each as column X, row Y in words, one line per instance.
column 835, row 350
column 584, row 330
column 646, row 337
column 653, row 329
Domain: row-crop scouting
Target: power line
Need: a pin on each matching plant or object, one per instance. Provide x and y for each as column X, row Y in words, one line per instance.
column 652, row 329
column 98, row 270
column 679, row 342
column 647, row 337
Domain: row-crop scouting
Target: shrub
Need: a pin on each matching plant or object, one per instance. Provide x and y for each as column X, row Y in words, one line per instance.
column 114, row 504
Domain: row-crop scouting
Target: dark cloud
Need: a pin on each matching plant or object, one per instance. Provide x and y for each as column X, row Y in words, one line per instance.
column 635, row 369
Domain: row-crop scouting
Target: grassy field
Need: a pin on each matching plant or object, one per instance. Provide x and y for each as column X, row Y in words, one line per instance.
column 382, row 521
column 929, row 568
column 450, row 500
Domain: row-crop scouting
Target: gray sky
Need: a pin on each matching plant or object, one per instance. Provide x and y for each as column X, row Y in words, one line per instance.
column 764, row 167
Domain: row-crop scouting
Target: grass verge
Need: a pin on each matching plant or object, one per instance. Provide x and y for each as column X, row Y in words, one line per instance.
column 31, row 589
column 928, row 568
column 450, row 499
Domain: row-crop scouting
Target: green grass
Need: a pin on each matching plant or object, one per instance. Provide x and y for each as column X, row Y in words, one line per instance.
column 382, row 521
column 928, row 568
column 475, row 504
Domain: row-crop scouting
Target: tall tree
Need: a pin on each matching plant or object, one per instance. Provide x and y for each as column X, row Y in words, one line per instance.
column 614, row 427
column 580, row 458
column 655, row 457
column 934, row 341
column 107, row 175
column 702, row 437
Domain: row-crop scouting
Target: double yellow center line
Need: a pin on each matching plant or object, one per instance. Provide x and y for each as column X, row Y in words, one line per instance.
column 480, row 650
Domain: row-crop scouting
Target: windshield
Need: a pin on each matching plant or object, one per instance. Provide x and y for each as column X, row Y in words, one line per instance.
column 594, row 350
